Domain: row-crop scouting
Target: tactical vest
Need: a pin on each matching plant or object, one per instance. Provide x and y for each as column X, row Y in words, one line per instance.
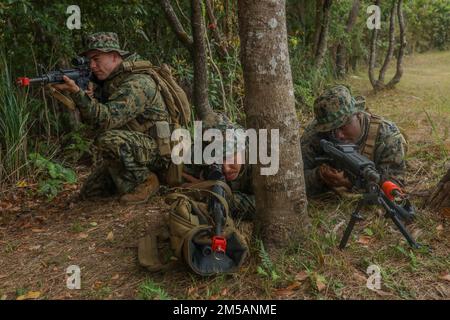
column 368, row 147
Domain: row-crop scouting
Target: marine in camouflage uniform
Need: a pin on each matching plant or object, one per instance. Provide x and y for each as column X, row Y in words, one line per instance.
column 380, row 140
column 242, row 204
column 122, row 102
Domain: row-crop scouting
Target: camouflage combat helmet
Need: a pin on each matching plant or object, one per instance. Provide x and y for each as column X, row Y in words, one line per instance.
column 334, row 108
column 103, row 41
column 238, row 141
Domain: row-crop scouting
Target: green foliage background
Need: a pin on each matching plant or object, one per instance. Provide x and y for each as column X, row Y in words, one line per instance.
column 34, row 33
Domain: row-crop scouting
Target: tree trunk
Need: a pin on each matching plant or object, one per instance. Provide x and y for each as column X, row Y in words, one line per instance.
column 379, row 84
column 373, row 54
column 199, row 58
column 341, row 52
column 269, row 104
column 323, row 39
column 440, row 198
column 176, row 25
column 390, row 51
column 401, row 50
column 317, row 26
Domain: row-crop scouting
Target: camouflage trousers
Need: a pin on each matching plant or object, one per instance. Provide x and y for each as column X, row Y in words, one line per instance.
column 242, row 206
column 127, row 158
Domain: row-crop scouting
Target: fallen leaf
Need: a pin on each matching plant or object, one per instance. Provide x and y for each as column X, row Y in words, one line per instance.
column 110, row 236
column 383, row 293
column 364, row 240
column 93, row 224
column 416, row 233
column 294, row 286
column 320, row 282
column 320, row 285
column 115, row 277
column 98, row 284
column 83, row 235
column 224, row 292
column 445, row 276
column 37, row 247
column 192, row 290
column 3, row 297
column 285, row 292
column 301, row 276
column 440, row 227
column 29, row 295
column 37, row 230
column 3, row 276
column 22, row 184
column 445, row 212
column 5, row 205
column 361, row 278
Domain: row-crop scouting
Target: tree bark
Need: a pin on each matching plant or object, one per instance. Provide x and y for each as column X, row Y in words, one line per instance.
column 269, row 104
column 317, row 26
column 199, row 58
column 440, row 197
column 323, row 39
column 341, row 51
column 176, row 25
column 379, row 84
column 401, row 50
column 390, row 51
column 373, row 54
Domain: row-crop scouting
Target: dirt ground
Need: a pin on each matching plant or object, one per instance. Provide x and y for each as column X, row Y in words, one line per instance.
column 39, row 240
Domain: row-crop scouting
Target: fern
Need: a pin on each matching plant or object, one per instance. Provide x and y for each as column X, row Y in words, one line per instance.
column 266, row 268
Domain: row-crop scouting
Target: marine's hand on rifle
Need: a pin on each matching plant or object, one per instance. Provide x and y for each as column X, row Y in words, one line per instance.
column 333, row 178
column 90, row 90
column 68, row 85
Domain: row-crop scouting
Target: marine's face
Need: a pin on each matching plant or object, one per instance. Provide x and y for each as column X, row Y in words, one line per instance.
column 232, row 166
column 349, row 132
column 103, row 64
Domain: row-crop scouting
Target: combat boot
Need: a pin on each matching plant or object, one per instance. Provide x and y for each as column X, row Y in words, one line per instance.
column 143, row 192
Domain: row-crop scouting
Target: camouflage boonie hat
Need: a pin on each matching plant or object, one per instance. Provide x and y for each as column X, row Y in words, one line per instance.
column 334, row 108
column 103, row 41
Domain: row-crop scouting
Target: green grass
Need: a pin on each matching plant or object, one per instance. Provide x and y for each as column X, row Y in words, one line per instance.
column 14, row 121
column 150, row 290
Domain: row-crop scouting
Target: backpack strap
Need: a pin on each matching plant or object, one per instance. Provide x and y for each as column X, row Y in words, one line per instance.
column 174, row 96
column 374, row 127
column 148, row 254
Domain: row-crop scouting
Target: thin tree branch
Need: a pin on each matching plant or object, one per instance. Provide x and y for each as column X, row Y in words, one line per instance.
column 390, row 51
column 401, row 50
column 176, row 25
column 214, row 28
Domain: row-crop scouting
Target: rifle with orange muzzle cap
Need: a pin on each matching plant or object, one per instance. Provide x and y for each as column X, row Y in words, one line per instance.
column 377, row 190
column 80, row 73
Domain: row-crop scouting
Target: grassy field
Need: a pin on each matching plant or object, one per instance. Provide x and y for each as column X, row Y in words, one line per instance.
column 39, row 240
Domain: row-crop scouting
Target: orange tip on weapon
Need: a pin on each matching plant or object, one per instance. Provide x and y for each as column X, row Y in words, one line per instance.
column 23, row 81
column 390, row 189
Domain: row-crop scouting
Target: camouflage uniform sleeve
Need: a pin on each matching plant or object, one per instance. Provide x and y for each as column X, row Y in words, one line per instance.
column 313, row 182
column 390, row 152
column 123, row 105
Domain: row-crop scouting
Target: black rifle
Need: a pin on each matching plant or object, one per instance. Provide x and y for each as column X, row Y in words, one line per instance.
column 377, row 191
column 80, row 73
column 214, row 172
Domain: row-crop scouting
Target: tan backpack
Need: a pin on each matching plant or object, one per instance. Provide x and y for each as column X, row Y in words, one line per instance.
column 190, row 228
column 173, row 95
